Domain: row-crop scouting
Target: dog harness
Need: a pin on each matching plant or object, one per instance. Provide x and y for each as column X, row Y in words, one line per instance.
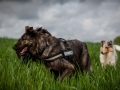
column 66, row 53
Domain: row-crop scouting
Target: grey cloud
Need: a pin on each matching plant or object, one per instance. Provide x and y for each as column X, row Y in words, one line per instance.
column 21, row 11
column 42, row 1
column 87, row 20
column 21, row 1
column 27, row 9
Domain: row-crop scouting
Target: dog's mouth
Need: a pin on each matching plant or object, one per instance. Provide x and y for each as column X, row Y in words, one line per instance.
column 104, row 53
column 23, row 51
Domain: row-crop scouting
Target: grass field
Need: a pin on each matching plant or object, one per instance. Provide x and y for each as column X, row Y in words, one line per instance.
column 15, row 75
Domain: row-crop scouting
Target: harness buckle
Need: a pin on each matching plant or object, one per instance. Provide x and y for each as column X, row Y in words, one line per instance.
column 67, row 53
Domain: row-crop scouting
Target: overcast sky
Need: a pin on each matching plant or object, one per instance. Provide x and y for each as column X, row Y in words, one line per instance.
column 85, row 20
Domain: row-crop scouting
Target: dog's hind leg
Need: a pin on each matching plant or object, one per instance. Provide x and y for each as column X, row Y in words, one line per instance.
column 85, row 60
column 67, row 69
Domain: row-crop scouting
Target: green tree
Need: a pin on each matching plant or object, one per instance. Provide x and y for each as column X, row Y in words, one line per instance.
column 117, row 40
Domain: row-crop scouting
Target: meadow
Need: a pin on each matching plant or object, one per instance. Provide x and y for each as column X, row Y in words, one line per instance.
column 16, row 75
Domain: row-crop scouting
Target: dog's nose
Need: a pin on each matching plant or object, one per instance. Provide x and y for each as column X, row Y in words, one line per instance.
column 101, row 52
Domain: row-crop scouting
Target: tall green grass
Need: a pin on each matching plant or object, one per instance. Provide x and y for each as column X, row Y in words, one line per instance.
column 15, row 75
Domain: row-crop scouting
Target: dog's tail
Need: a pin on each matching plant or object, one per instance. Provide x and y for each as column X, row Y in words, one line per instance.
column 117, row 47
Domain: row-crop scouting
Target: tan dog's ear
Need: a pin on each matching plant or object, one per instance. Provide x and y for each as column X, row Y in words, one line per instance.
column 102, row 42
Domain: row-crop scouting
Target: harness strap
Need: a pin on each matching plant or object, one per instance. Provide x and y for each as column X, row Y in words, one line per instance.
column 66, row 52
column 54, row 57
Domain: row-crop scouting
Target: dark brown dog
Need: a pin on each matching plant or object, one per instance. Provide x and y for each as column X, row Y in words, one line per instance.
column 40, row 44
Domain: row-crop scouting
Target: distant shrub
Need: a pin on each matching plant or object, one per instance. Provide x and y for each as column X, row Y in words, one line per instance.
column 117, row 40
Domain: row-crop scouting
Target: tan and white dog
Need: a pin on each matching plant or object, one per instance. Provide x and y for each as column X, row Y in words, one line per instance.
column 108, row 55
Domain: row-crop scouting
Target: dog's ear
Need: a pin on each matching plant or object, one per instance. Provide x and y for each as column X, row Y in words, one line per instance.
column 26, row 28
column 39, row 29
column 30, row 31
column 110, row 43
column 102, row 42
column 46, row 32
column 46, row 35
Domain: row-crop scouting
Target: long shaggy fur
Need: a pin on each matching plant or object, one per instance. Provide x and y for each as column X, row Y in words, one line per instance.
column 108, row 55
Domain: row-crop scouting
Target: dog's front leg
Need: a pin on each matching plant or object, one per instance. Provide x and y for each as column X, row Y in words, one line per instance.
column 55, row 72
column 67, row 72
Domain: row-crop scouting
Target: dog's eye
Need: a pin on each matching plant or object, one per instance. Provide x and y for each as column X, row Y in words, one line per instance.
column 24, row 39
column 110, row 44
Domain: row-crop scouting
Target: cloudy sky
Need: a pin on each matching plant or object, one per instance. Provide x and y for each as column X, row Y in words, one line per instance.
column 86, row 20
